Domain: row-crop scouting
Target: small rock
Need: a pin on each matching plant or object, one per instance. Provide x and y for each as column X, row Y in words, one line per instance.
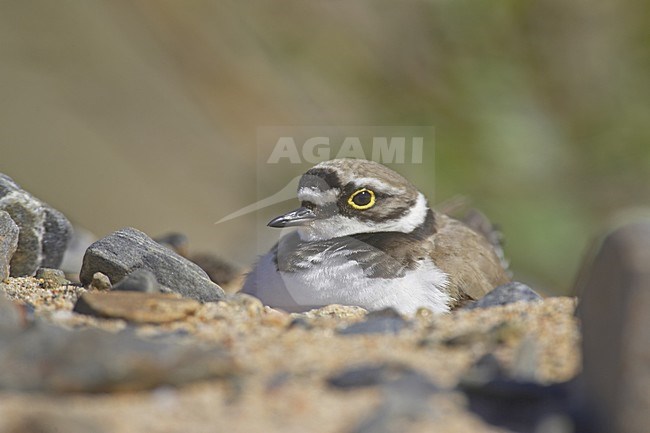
column 44, row 232
column 57, row 235
column 389, row 312
column 614, row 311
column 98, row 361
column 377, row 325
column 405, row 393
column 140, row 280
column 300, row 323
column 100, row 282
column 373, row 375
column 506, row 294
column 485, row 370
column 51, row 277
column 127, row 250
column 8, row 243
column 136, row 307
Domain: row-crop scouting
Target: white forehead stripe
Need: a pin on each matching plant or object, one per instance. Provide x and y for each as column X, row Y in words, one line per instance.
column 318, row 197
column 377, row 184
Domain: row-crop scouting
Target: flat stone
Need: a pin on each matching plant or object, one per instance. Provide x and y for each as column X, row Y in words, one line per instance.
column 614, row 309
column 44, row 232
column 136, row 307
column 366, row 375
column 8, row 243
column 127, row 250
column 376, row 325
column 140, row 280
column 506, row 294
column 98, row 361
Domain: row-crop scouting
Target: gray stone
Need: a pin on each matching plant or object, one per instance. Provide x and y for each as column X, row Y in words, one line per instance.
column 375, row 325
column 8, row 243
column 363, row 376
column 405, row 393
column 140, row 280
column 44, row 232
column 506, row 294
column 98, row 361
column 57, row 235
column 614, row 310
column 127, row 250
column 51, row 277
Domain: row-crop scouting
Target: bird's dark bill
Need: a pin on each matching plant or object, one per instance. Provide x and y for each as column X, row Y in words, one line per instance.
column 298, row 217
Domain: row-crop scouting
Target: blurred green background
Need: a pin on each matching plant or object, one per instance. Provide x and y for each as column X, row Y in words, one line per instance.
column 145, row 113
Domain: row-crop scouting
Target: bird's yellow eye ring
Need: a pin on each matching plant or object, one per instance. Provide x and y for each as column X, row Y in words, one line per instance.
column 362, row 199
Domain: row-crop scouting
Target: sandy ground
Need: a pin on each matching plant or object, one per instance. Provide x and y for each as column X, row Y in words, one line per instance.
column 280, row 381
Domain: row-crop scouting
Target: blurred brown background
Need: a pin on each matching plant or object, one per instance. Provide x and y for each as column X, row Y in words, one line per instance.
column 145, row 113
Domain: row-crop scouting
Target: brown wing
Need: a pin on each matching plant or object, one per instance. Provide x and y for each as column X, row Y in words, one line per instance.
column 467, row 257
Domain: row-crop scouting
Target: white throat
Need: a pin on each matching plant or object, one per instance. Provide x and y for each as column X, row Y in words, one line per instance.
column 339, row 225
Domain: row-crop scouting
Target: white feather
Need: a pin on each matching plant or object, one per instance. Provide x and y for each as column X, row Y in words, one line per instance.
column 337, row 280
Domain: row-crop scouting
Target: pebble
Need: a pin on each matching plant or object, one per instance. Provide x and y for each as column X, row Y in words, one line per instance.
column 140, row 280
column 8, row 243
column 93, row 360
column 506, row 294
column 366, row 375
column 44, row 232
column 100, row 282
column 614, row 309
column 405, row 395
column 56, row 237
column 51, row 277
column 137, row 307
column 127, row 250
column 375, row 325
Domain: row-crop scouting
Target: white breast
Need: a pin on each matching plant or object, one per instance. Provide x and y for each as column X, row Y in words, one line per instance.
column 337, row 280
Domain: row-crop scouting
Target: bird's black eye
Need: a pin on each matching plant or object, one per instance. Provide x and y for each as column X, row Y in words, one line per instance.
column 362, row 199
